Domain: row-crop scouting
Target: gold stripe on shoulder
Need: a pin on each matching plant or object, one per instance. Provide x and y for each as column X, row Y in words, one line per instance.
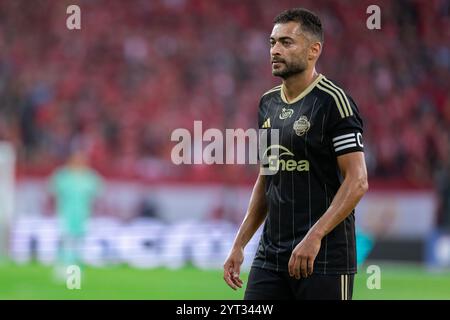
column 338, row 95
column 272, row 90
column 333, row 94
column 340, row 92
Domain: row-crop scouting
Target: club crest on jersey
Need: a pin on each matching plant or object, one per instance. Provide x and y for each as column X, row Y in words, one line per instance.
column 301, row 126
column 286, row 113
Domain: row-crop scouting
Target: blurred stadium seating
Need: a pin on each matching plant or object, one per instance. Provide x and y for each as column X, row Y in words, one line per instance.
column 138, row 70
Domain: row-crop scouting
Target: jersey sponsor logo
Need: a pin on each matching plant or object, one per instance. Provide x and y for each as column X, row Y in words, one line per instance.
column 277, row 148
column 286, row 113
column 301, row 126
column 276, row 163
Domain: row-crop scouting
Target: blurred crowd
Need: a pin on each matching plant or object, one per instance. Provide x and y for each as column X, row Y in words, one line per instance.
column 139, row 69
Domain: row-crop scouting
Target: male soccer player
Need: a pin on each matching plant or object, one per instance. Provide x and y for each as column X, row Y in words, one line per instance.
column 75, row 187
column 307, row 248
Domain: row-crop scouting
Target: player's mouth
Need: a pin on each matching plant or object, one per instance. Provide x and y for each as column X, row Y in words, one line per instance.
column 277, row 62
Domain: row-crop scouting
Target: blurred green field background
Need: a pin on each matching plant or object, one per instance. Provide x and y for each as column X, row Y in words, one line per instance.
column 35, row 281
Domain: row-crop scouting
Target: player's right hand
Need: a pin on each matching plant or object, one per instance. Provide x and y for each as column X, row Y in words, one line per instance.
column 232, row 268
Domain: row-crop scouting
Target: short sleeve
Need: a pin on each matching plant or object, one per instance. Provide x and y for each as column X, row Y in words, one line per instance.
column 345, row 126
column 263, row 130
column 261, row 114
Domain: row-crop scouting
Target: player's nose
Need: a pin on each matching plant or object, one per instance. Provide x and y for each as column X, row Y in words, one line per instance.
column 275, row 50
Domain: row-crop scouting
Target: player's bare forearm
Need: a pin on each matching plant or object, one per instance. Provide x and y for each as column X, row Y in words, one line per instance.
column 351, row 191
column 354, row 186
column 256, row 213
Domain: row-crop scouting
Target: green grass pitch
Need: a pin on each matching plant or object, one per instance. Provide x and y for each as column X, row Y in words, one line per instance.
column 34, row 281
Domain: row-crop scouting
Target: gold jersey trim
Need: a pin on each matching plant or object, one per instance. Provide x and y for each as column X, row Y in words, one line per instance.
column 272, row 90
column 303, row 93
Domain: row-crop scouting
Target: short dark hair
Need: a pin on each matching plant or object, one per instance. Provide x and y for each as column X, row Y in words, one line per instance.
column 309, row 21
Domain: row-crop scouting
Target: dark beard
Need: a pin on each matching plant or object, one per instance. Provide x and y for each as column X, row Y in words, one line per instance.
column 290, row 70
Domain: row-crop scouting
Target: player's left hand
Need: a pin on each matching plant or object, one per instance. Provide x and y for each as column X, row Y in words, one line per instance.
column 301, row 263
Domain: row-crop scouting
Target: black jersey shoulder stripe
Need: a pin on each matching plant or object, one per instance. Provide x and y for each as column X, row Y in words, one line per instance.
column 342, row 93
column 333, row 95
column 272, row 90
column 338, row 95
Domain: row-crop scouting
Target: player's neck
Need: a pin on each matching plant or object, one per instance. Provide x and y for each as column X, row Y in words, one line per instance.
column 296, row 84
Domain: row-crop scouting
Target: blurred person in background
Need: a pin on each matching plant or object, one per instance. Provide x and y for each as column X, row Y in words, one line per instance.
column 74, row 187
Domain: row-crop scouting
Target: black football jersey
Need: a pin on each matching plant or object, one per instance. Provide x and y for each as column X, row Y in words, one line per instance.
column 315, row 128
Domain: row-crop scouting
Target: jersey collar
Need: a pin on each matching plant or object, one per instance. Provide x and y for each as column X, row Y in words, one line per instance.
column 303, row 93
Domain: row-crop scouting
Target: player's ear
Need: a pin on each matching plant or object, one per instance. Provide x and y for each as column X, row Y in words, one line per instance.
column 314, row 50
